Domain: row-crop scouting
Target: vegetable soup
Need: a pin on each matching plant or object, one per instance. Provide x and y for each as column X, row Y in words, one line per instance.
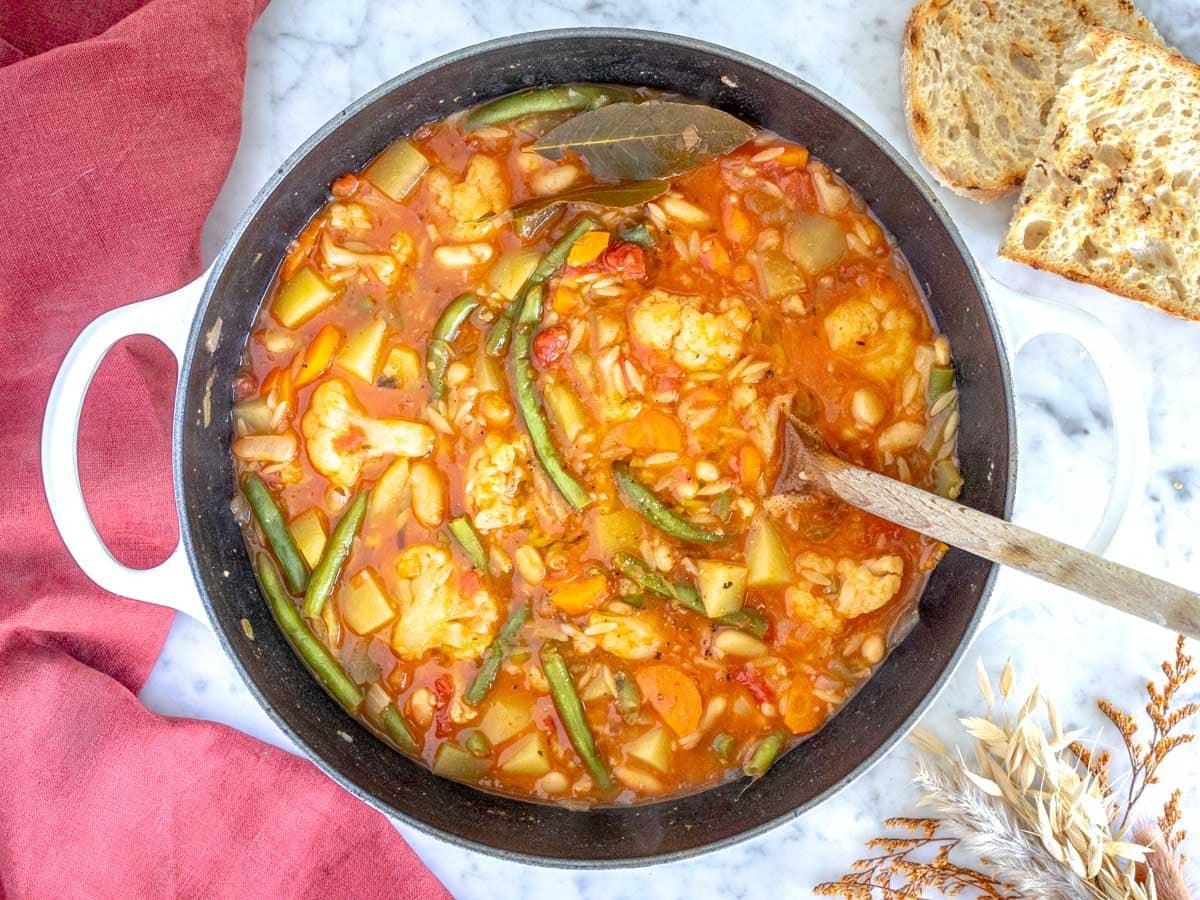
column 508, row 418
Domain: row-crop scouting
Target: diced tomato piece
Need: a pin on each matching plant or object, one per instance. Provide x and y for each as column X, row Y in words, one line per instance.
column 344, row 185
column 348, row 440
column 755, row 684
column 245, row 386
column 626, row 259
column 550, row 345
column 469, row 583
column 443, row 691
column 798, row 184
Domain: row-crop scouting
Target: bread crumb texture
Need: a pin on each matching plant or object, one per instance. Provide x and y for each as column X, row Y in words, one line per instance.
column 1113, row 198
column 980, row 78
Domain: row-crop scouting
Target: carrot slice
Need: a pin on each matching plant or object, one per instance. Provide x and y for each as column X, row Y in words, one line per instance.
column 750, row 462
column 651, row 429
column 803, row 712
column 578, row 597
column 674, row 696
column 319, row 355
column 301, row 248
column 279, row 381
column 587, row 248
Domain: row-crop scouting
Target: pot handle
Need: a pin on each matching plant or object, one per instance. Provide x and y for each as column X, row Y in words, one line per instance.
column 1029, row 317
column 167, row 318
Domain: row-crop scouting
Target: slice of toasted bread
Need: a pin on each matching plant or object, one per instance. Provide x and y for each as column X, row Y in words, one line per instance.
column 979, row 77
column 1113, row 198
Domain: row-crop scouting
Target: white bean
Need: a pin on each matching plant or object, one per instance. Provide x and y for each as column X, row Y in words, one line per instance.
column 428, row 494
column 900, row 436
column 873, row 647
column 463, row 256
column 867, row 408
column 530, row 564
column 737, row 643
column 553, row 180
column 268, row 448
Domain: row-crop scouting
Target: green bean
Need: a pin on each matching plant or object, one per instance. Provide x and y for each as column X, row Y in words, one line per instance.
column 397, row 729
column 494, row 657
column 947, row 479
column 337, row 549
column 477, row 744
column 629, row 698
column 636, row 233
column 750, row 620
column 498, row 337
column 311, row 650
column 530, row 405
column 764, row 754
column 559, row 98
column 722, row 746
column 468, row 538
column 270, row 520
column 445, row 330
column 941, row 380
column 640, row 573
column 643, row 501
column 637, row 600
column 570, row 710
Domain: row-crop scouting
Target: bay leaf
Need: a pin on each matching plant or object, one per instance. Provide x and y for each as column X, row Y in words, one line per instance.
column 639, row 141
column 531, row 216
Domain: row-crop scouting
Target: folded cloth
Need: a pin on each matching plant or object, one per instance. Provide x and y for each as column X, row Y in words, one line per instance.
column 118, row 122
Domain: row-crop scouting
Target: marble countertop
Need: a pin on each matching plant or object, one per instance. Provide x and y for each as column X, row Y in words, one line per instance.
column 308, row 59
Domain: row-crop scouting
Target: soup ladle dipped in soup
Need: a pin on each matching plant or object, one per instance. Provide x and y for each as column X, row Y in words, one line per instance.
column 808, row 466
column 509, row 418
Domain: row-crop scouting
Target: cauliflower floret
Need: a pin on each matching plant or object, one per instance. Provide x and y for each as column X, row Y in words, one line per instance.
column 497, row 478
column 433, row 614
column 357, row 257
column 869, row 584
column 403, row 247
column 697, row 340
column 349, row 216
column 629, row 637
column 340, row 437
column 810, row 564
column 482, row 191
column 851, row 324
column 879, row 336
column 805, row 607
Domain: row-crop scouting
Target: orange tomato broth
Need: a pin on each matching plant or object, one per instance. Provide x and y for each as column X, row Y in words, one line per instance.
column 789, row 333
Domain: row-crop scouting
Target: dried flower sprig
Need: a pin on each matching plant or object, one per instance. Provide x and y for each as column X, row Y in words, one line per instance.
column 898, row 873
column 1038, row 807
column 1145, row 758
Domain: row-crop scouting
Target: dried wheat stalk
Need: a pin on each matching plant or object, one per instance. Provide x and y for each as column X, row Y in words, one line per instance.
column 1038, row 807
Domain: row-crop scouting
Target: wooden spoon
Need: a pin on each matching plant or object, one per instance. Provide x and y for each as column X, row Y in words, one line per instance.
column 809, row 466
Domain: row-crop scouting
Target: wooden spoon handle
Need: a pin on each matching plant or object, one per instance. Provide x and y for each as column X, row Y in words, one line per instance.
column 960, row 526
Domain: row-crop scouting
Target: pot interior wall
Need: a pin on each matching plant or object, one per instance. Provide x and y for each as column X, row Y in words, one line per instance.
column 204, row 476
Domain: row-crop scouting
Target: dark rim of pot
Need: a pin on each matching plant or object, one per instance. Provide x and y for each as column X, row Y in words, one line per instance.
column 668, row 41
